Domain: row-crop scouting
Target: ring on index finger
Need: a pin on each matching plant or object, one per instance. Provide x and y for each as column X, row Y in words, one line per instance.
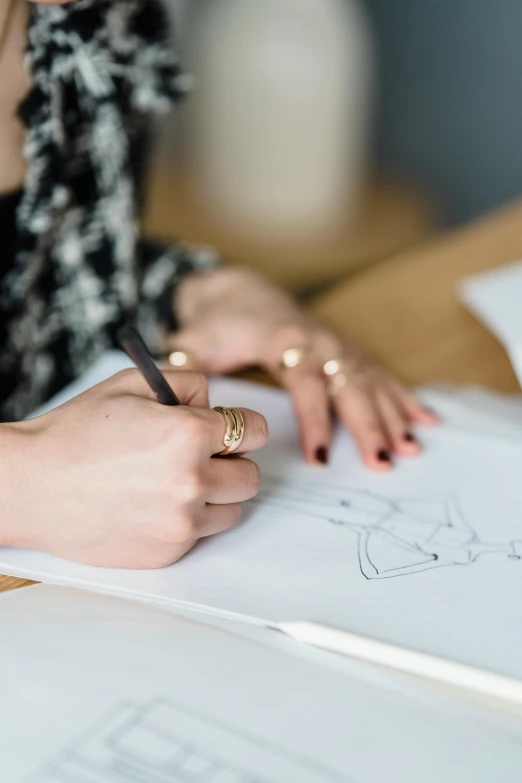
column 294, row 356
column 234, row 429
column 341, row 370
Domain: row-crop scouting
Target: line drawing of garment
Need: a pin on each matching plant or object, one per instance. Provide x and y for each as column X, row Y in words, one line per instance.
column 396, row 536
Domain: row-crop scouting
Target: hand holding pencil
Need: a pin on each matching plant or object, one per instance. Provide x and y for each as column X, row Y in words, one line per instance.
column 133, row 482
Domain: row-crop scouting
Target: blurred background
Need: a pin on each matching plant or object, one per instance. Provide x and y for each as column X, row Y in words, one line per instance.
column 324, row 136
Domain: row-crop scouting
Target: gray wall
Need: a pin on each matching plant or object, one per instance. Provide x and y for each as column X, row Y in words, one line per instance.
column 450, row 109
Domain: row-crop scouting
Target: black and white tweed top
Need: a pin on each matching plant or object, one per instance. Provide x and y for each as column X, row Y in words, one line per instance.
column 99, row 70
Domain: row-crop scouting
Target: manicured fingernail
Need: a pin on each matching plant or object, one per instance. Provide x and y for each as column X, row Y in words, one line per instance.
column 409, row 437
column 383, row 456
column 321, row 455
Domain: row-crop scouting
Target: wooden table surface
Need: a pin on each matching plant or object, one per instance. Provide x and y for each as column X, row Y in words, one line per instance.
column 406, row 313
column 10, row 583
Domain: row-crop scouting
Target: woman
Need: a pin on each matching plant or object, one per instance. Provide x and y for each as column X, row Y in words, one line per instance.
column 112, row 478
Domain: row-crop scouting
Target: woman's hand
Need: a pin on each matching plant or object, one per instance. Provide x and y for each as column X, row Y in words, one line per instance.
column 235, row 318
column 113, row 478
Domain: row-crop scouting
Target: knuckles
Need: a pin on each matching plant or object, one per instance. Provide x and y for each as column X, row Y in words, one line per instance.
column 292, row 333
column 189, row 427
column 178, row 528
column 186, row 527
column 191, row 489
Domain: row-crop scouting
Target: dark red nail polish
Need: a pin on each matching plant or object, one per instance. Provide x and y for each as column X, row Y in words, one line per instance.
column 410, row 438
column 383, row 456
column 321, row 455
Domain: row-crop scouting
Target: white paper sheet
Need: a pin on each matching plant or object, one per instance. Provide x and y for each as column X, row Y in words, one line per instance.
column 99, row 690
column 495, row 297
column 476, row 410
column 425, row 557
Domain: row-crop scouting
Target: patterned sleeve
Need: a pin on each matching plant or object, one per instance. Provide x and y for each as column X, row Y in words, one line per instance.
column 160, row 269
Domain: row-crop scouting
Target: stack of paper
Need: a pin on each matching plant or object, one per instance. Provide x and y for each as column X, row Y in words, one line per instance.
column 99, row 690
column 427, row 557
column 423, row 562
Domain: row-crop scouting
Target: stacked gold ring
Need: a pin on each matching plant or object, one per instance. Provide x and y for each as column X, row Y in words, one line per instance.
column 234, row 428
column 341, row 370
column 294, row 356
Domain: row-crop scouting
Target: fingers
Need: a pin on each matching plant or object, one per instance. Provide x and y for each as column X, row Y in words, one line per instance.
column 357, row 409
column 312, row 407
column 369, row 407
column 378, row 422
column 217, row 519
column 184, row 532
column 415, row 410
column 232, row 480
column 229, row 482
column 379, row 412
column 255, row 431
column 190, row 387
column 396, row 424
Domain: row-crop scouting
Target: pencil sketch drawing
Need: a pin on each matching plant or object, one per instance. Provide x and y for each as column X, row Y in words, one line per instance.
column 396, row 536
column 161, row 741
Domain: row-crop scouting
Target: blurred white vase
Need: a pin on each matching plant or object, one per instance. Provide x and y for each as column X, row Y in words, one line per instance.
column 276, row 133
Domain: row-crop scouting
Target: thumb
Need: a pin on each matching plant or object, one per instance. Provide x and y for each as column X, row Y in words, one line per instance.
column 190, row 387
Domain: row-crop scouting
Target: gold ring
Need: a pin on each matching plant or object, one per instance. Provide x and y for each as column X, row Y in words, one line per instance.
column 234, row 429
column 295, row 356
column 340, row 370
column 179, row 358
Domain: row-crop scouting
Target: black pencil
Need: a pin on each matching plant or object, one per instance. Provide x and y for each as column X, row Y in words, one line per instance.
column 135, row 348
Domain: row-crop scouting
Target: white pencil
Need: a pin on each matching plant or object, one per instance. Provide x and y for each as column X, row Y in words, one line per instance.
column 399, row 659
